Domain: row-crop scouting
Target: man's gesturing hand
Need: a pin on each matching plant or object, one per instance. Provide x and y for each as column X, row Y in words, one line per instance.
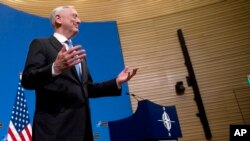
column 68, row 58
column 125, row 75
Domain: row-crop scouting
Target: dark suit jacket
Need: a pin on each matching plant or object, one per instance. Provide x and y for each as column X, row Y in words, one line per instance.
column 62, row 107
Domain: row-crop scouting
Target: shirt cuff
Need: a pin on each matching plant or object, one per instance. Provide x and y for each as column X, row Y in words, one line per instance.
column 118, row 86
column 54, row 73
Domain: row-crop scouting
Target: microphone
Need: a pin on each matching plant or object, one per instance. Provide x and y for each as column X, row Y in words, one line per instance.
column 135, row 96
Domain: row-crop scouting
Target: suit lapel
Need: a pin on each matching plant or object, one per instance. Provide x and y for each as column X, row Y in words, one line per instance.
column 55, row 43
column 85, row 77
column 85, row 72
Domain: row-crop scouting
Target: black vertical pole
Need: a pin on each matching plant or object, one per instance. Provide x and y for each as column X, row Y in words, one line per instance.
column 192, row 82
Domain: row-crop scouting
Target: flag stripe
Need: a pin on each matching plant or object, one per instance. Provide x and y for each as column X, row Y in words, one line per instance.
column 12, row 133
column 11, row 136
column 21, row 136
column 26, row 135
column 28, row 132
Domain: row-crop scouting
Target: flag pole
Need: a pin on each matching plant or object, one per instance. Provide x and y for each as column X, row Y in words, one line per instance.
column 20, row 75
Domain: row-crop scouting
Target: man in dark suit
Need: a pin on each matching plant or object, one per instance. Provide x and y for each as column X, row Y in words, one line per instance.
column 57, row 72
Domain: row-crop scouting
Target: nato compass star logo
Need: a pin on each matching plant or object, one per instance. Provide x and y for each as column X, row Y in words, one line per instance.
column 166, row 121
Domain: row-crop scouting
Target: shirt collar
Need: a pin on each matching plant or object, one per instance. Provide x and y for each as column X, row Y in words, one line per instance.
column 60, row 37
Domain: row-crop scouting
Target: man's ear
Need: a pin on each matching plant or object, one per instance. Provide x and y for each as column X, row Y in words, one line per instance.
column 58, row 19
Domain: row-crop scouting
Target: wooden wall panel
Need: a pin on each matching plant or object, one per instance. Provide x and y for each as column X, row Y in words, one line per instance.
column 242, row 96
column 217, row 38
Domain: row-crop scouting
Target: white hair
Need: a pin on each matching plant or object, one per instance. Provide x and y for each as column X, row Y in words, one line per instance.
column 56, row 11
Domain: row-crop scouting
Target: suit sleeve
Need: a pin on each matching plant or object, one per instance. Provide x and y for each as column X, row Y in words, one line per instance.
column 37, row 69
column 107, row 88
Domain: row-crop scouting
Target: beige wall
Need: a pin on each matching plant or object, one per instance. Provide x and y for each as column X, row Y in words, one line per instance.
column 217, row 35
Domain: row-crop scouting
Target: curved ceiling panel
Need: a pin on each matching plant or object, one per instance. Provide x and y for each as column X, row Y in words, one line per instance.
column 106, row 10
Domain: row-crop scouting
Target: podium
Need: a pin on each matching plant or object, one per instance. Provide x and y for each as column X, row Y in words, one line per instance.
column 150, row 122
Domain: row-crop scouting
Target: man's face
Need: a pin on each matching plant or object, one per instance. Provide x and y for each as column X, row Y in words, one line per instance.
column 69, row 21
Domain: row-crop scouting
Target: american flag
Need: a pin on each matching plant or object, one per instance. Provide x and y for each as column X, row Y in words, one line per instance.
column 19, row 127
